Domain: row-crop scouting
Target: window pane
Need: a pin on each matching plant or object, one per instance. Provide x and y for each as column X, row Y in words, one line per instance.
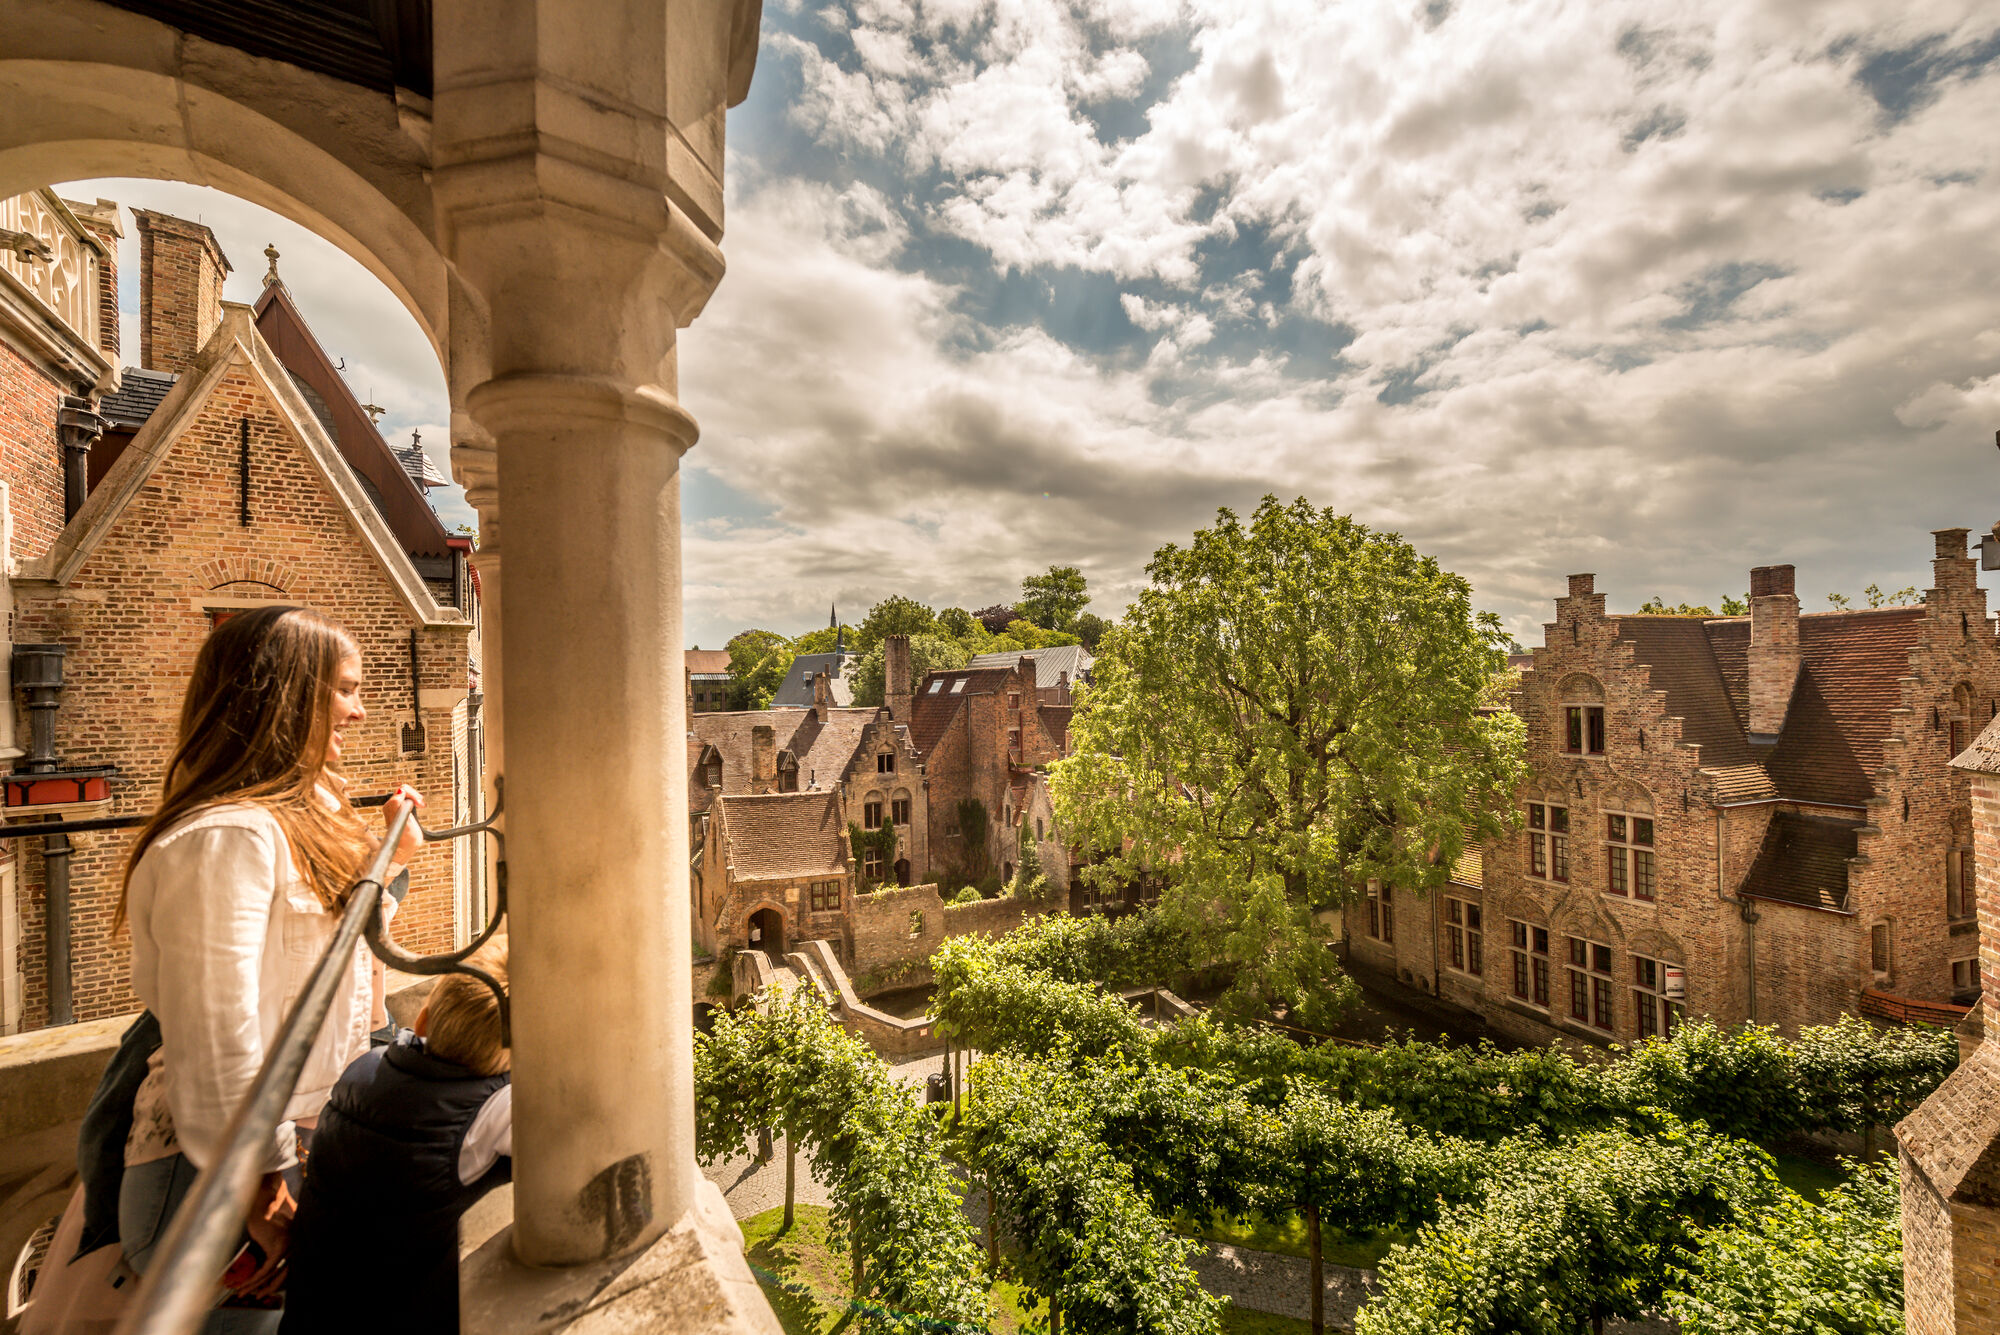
column 1648, row 1023
column 1538, row 855
column 1519, row 932
column 1601, row 995
column 1600, row 959
column 1579, row 952
column 1615, row 865
column 1541, row 983
column 1614, row 828
column 1457, row 939
column 1642, row 830
column 1573, row 728
column 1579, row 996
column 1642, row 873
column 1559, row 819
column 1521, row 975
column 1558, row 858
column 1541, row 940
column 1472, row 917
column 1537, row 817
column 1474, row 963
column 1451, row 910
column 1596, row 717
column 1645, row 974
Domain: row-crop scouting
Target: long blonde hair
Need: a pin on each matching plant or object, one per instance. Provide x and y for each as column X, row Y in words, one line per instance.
column 254, row 730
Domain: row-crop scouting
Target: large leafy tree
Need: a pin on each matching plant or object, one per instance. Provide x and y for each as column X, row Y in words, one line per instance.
column 758, row 660
column 1290, row 709
column 1052, row 600
column 894, row 615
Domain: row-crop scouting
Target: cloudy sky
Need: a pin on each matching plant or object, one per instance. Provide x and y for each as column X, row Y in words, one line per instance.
column 1660, row 290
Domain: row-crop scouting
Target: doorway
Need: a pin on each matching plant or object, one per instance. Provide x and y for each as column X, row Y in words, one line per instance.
column 767, row 933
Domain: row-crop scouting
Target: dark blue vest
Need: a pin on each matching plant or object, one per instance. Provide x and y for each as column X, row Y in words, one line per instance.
column 375, row 1244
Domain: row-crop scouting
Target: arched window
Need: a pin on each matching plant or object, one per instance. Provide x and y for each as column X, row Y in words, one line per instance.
column 788, row 772
column 1582, row 715
column 899, row 807
column 1959, row 735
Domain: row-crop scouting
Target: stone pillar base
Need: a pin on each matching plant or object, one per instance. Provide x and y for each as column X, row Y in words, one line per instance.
column 692, row 1281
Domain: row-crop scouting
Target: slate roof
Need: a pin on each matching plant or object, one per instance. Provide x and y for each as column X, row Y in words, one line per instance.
column 1049, row 663
column 139, row 393
column 410, row 454
column 779, row 836
column 796, row 690
column 822, row 749
column 939, row 697
column 1851, row 664
column 1803, row 861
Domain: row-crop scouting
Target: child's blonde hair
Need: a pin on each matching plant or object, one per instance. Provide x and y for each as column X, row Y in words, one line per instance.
column 464, row 1023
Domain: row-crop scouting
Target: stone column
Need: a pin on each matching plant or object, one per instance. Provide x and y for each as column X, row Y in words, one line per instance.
column 477, row 466
column 578, row 165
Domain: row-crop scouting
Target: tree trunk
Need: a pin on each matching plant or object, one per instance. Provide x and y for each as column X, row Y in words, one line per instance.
column 992, row 1233
column 1055, row 1317
column 1316, row 1272
column 854, row 1248
column 791, row 1179
column 957, row 1079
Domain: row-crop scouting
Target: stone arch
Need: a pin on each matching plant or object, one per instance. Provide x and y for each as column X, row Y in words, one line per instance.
column 343, row 167
column 1502, row 905
column 1576, row 916
column 1625, row 795
column 1655, row 944
column 1580, row 688
column 758, row 918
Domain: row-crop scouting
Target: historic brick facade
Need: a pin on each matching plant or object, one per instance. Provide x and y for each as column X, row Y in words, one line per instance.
column 181, row 299
column 1793, row 858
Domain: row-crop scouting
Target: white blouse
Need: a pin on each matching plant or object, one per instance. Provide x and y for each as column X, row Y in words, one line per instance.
column 225, row 933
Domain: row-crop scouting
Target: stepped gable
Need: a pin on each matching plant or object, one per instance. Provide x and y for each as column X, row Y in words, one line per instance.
column 823, row 750
column 1804, row 861
column 1851, row 665
column 937, row 703
column 1681, row 654
column 785, row 836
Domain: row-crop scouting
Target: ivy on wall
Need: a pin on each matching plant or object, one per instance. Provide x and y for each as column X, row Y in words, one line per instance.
column 860, row 843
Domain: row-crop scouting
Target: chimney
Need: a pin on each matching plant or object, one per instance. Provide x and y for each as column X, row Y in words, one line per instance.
column 763, row 758
column 1952, row 570
column 1774, row 649
column 822, row 694
column 181, row 269
column 896, row 677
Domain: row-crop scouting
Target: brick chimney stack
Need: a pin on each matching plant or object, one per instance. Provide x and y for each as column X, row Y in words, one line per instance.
column 1951, row 569
column 1774, row 649
column 822, row 695
column 763, row 759
column 896, row 677
column 181, row 270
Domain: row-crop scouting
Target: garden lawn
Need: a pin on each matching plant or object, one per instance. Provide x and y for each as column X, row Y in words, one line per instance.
column 1287, row 1237
column 804, row 1274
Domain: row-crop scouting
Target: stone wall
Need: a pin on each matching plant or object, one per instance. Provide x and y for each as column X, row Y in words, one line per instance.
column 136, row 613
column 906, row 926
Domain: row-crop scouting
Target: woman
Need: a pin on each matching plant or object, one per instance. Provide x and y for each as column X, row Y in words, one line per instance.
column 233, row 891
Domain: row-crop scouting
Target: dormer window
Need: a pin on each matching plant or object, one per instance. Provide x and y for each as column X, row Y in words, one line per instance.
column 788, row 772
column 713, row 772
column 1583, row 730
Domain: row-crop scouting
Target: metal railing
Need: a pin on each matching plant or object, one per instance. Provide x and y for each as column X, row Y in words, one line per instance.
column 184, row 1275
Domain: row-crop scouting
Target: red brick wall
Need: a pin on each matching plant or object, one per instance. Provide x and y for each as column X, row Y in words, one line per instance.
column 30, row 453
column 132, row 621
column 180, row 289
column 971, row 761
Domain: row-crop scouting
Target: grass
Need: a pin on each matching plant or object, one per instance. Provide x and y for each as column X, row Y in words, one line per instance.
column 804, row 1275
column 1287, row 1236
column 1808, row 1177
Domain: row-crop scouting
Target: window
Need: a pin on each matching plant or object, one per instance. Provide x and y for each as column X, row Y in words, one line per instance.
column 885, row 763
column 871, row 863
column 1965, row 980
column 958, row 686
column 1878, row 949
column 714, row 772
column 1014, row 740
column 1038, row 830
column 1583, row 730
column 1590, row 983
column 1548, row 841
column 936, row 686
column 1658, row 1012
column 1464, row 934
column 1961, row 887
column 899, row 810
column 1013, row 699
column 871, row 814
column 1530, row 948
column 1628, row 856
column 951, row 828
column 826, row 896
column 1381, row 913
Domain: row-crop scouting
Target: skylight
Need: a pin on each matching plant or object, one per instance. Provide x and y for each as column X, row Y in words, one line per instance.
column 937, row 686
column 958, row 686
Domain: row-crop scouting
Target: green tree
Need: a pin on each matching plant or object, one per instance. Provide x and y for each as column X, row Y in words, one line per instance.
column 1840, row 600
column 1659, row 606
column 1052, row 600
column 959, row 624
column 928, row 654
column 1089, row 628
column 1900, row 598
column 996, row 617
column 1799, row 1268
column 894, row 615
column 823, row 640
column 1735, row 607
column 1289, row 710
column 758, row 661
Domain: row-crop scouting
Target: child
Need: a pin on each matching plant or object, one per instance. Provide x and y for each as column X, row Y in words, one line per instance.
column 412, row 1135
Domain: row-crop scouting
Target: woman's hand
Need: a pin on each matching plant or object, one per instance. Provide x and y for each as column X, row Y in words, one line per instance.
column 405, row 797
column 270, row 1227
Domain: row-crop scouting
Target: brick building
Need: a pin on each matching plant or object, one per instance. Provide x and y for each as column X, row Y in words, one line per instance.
column 983, row 735
column 856, row 765
column 1760, row 809
column 221, row 475
column 708, row 680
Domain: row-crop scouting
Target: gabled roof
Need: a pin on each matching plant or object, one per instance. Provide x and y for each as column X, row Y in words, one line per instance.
column 235, row 343
column 779, row 836
column 139, row 393
column 796, row 690
column 706, row 662
column 409, row 515
column 822, row 749
column 1850, row 666
column 1804, row 861
column 938, row 699
column 410, row 454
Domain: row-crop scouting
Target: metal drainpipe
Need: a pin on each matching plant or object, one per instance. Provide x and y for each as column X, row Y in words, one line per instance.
column 38, row 671
column 1746, row 910
column 78, row 428
column 55, row 870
